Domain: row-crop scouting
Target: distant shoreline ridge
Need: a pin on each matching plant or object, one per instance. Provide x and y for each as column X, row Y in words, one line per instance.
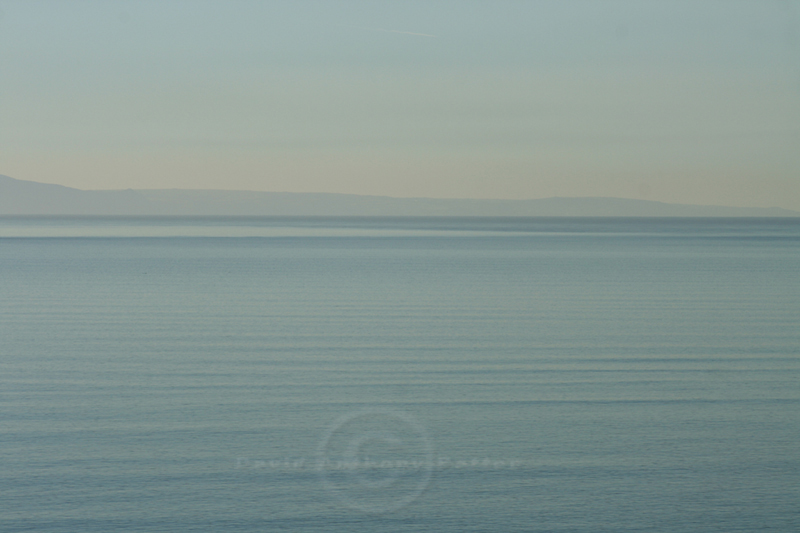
column 19, row 197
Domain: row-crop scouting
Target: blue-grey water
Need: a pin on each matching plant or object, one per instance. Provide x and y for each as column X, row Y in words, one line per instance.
column 361, row 375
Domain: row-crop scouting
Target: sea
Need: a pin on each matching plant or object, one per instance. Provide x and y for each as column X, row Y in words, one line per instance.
column 399, row 374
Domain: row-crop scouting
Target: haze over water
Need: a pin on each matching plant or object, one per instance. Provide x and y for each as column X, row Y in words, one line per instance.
column 450, row 375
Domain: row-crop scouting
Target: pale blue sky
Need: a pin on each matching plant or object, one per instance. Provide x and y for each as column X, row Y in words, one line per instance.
column 693, row 102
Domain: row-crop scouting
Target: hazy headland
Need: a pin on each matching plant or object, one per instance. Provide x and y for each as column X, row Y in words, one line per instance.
column 18, row 197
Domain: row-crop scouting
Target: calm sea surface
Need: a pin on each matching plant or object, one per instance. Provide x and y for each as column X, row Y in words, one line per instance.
column 437, row 375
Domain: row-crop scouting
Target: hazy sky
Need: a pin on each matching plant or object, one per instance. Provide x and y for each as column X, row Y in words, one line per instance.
column 693, row 102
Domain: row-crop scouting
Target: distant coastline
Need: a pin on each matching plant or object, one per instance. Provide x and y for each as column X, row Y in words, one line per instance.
column 18, row 197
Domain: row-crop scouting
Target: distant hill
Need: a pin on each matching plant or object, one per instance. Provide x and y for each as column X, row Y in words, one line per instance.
column 19, row 197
